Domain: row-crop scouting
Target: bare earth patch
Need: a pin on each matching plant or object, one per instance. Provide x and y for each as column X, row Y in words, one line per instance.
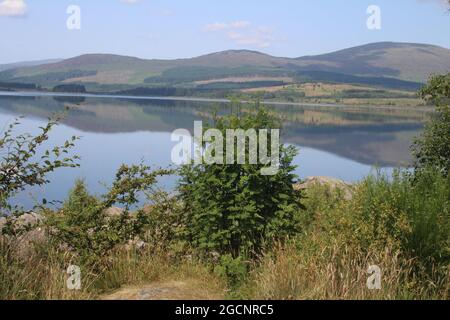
column 171, row 290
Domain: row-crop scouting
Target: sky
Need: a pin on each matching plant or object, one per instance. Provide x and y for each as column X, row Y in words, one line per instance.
column 168, row 29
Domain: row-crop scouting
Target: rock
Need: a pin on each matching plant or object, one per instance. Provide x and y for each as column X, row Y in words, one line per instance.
column 27, row 240
column 28, row 220
column 28, row 232
column 215, row 256
column 114, row 212
column 24, row 222
column 332, row 183
column 2, row 223
column 136, row 244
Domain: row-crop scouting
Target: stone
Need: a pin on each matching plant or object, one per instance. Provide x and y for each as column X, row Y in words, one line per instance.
column 28, row 220
column 332, row 183
column 2, row 224
column 114, row 212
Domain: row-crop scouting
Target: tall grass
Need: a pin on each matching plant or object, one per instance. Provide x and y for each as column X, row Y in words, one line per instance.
column 41, row 275
column 36, row 275
column 400, row 224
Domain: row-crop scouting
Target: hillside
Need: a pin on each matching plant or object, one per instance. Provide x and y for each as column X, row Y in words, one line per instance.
column 26, row 64
column 406, row 65
column 406, row 61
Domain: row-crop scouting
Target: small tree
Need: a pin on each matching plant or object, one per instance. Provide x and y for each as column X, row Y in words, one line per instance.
column 25, row 163
column 84, row 224
column 232, row 208
column 432, row 148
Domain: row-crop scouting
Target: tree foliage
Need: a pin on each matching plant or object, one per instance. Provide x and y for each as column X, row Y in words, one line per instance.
column 25, row 162
column 231, row 208
column 84, row 224
column 432, row 148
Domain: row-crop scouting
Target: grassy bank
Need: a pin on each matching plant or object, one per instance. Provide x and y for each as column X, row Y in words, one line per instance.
column 401, row 225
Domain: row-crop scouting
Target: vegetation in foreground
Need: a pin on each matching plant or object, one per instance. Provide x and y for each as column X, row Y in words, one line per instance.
column 248, row 242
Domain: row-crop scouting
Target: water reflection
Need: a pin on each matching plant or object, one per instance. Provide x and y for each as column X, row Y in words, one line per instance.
column 369, row 136
column 344, row 142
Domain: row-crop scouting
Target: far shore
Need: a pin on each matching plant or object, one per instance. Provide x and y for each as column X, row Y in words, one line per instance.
column 200, row 99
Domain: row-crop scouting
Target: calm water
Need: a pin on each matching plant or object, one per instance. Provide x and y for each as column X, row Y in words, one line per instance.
column 342, row 142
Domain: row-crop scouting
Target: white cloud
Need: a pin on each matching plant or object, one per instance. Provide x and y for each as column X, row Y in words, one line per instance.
column 243, row 33
column 240, row 24
column 130, row 1
column 13, row 8
column 218, row 26
column 261, row 37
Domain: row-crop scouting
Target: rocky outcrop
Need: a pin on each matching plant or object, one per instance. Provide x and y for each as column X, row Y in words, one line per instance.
column 2, row 223
column 113, row 212
column 332, row 183
column 22, row 223
column 27, row 231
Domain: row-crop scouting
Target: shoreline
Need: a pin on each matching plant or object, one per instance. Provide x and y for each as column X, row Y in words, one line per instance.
column 200, row 99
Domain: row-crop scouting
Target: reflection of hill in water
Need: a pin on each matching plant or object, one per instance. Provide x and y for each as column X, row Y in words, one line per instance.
column 380, row 136
column 383, row 145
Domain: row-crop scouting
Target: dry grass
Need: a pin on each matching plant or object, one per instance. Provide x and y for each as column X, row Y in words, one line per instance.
column 36, row 276
column 399, row 226
column 41, row 275
column 392, row 224
column 132, row 268
column 337, row 272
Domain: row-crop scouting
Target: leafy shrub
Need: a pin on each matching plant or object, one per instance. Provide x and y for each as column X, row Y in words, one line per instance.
column 432, row 148
column 232, row 208
column 83, row 223
column 24, row 164
column 409, row 214
column 233, row 270
column 400, row 224
column 164, row 224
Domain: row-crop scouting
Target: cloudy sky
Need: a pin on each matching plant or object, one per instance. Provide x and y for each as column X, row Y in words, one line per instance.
column 37, row 29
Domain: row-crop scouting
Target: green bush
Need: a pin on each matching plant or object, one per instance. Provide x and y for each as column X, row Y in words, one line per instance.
column 233, row 270
column 399, row 223
column 164, row 224
column 25, row 163
column 84, row 225
column 232, row 208
column 432, row 148
column 407, row 213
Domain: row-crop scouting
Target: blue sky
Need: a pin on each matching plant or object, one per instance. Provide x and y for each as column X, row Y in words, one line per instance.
column 36, row 29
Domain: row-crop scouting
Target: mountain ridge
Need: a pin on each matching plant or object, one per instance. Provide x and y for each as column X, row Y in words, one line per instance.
column 373, row 60
column 12, row 65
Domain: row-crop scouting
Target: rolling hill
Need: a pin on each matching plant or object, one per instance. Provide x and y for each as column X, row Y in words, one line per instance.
column 405, row 61
column 27, row 64
column 394, row 65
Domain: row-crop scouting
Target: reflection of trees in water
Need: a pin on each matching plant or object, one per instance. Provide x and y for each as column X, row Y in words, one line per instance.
column 344, row 131
column 386, row 147
column 348, row 115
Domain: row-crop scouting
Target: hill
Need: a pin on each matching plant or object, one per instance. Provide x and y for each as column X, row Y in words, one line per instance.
column 388, row 64
column 26, row 64
column 405, row 61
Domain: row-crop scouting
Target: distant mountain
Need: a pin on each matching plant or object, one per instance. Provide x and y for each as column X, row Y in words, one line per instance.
column 27, row 64
column 406, row 61
column 396, row 65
